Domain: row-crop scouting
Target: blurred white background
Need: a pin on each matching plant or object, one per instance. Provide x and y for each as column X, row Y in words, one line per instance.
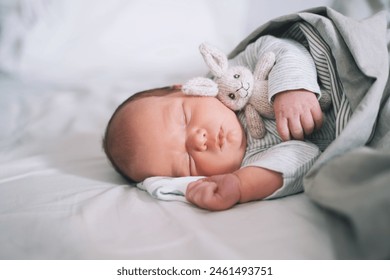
column 96, row 42
column 83, row 41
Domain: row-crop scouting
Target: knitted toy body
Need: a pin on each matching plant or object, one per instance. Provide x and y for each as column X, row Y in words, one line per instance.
column 258, row 105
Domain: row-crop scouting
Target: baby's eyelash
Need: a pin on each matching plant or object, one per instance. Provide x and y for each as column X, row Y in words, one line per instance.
column 190, row 164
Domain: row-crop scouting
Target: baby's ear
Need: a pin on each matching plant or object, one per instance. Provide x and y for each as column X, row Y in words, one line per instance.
column 200, row 86
column 176, row 87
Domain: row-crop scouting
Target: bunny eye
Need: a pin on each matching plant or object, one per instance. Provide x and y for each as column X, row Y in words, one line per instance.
column 232, row 96
column 236, row 76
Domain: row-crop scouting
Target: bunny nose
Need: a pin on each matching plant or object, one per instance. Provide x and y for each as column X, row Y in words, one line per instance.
column 198, row 140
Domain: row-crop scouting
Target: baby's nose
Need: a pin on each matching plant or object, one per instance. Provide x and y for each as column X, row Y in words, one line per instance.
column 198, row 140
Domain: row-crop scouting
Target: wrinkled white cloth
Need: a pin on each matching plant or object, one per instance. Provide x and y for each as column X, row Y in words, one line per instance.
column 167, row 188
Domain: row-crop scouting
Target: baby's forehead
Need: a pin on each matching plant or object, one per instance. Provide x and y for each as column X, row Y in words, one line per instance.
column 147, row 99
column 140, row 114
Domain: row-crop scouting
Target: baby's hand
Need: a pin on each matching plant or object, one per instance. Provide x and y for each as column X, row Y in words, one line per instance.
column 218, row 192
column 297, row 114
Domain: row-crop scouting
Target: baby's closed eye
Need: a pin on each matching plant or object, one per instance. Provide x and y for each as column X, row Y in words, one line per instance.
column 190, row 164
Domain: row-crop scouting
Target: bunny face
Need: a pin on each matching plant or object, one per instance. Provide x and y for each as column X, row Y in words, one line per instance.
column 235, row 87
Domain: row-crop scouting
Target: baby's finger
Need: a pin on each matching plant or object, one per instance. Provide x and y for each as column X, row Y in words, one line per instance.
column 296, row 129
column 193, row 186
column 197, row 182
column 202, row 196
column 198, row 189
column 307, row 123
column 282, row 128
column 318, row 118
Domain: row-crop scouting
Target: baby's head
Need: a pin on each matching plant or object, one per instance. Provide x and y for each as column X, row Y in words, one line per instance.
column 162, row 132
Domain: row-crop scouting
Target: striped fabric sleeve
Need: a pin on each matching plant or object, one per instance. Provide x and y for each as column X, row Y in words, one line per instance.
column 328, row 78
column 294, row 67
column 292, row 159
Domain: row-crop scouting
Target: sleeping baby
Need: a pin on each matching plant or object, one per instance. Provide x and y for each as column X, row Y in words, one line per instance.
column 163, row 132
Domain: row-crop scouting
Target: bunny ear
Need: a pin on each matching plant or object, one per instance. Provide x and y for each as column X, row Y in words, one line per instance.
column 264, row 66
column 214, row 58
column 201, row 87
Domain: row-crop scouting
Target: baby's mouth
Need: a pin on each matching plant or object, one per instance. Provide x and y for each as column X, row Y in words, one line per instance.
column 221, row 138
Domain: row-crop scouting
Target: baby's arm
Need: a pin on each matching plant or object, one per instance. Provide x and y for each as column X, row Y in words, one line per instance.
column 272, row 173
column 292, row 85
column 293, row 88
column 221, row 192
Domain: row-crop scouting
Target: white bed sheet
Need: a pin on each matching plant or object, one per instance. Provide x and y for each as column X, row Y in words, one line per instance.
column 60, row 198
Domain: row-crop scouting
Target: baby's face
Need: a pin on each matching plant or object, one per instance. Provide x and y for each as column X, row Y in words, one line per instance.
column 179, row 135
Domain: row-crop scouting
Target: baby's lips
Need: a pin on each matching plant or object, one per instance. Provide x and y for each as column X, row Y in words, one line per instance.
column 221, row 138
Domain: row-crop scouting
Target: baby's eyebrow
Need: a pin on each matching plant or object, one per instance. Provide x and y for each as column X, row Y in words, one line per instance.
column 168, row 118
column 169, row 114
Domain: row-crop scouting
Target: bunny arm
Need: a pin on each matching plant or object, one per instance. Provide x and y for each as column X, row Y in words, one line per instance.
column 259, row 99
column 264, row 66
column 255, row 123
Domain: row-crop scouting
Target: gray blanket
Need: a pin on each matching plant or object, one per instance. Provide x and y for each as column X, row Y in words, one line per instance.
column 351, row 179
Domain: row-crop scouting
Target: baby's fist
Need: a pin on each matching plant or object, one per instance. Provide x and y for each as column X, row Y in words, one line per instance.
column 215, row 193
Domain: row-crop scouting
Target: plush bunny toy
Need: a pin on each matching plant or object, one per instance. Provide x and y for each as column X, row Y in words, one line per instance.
column 236, row 87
